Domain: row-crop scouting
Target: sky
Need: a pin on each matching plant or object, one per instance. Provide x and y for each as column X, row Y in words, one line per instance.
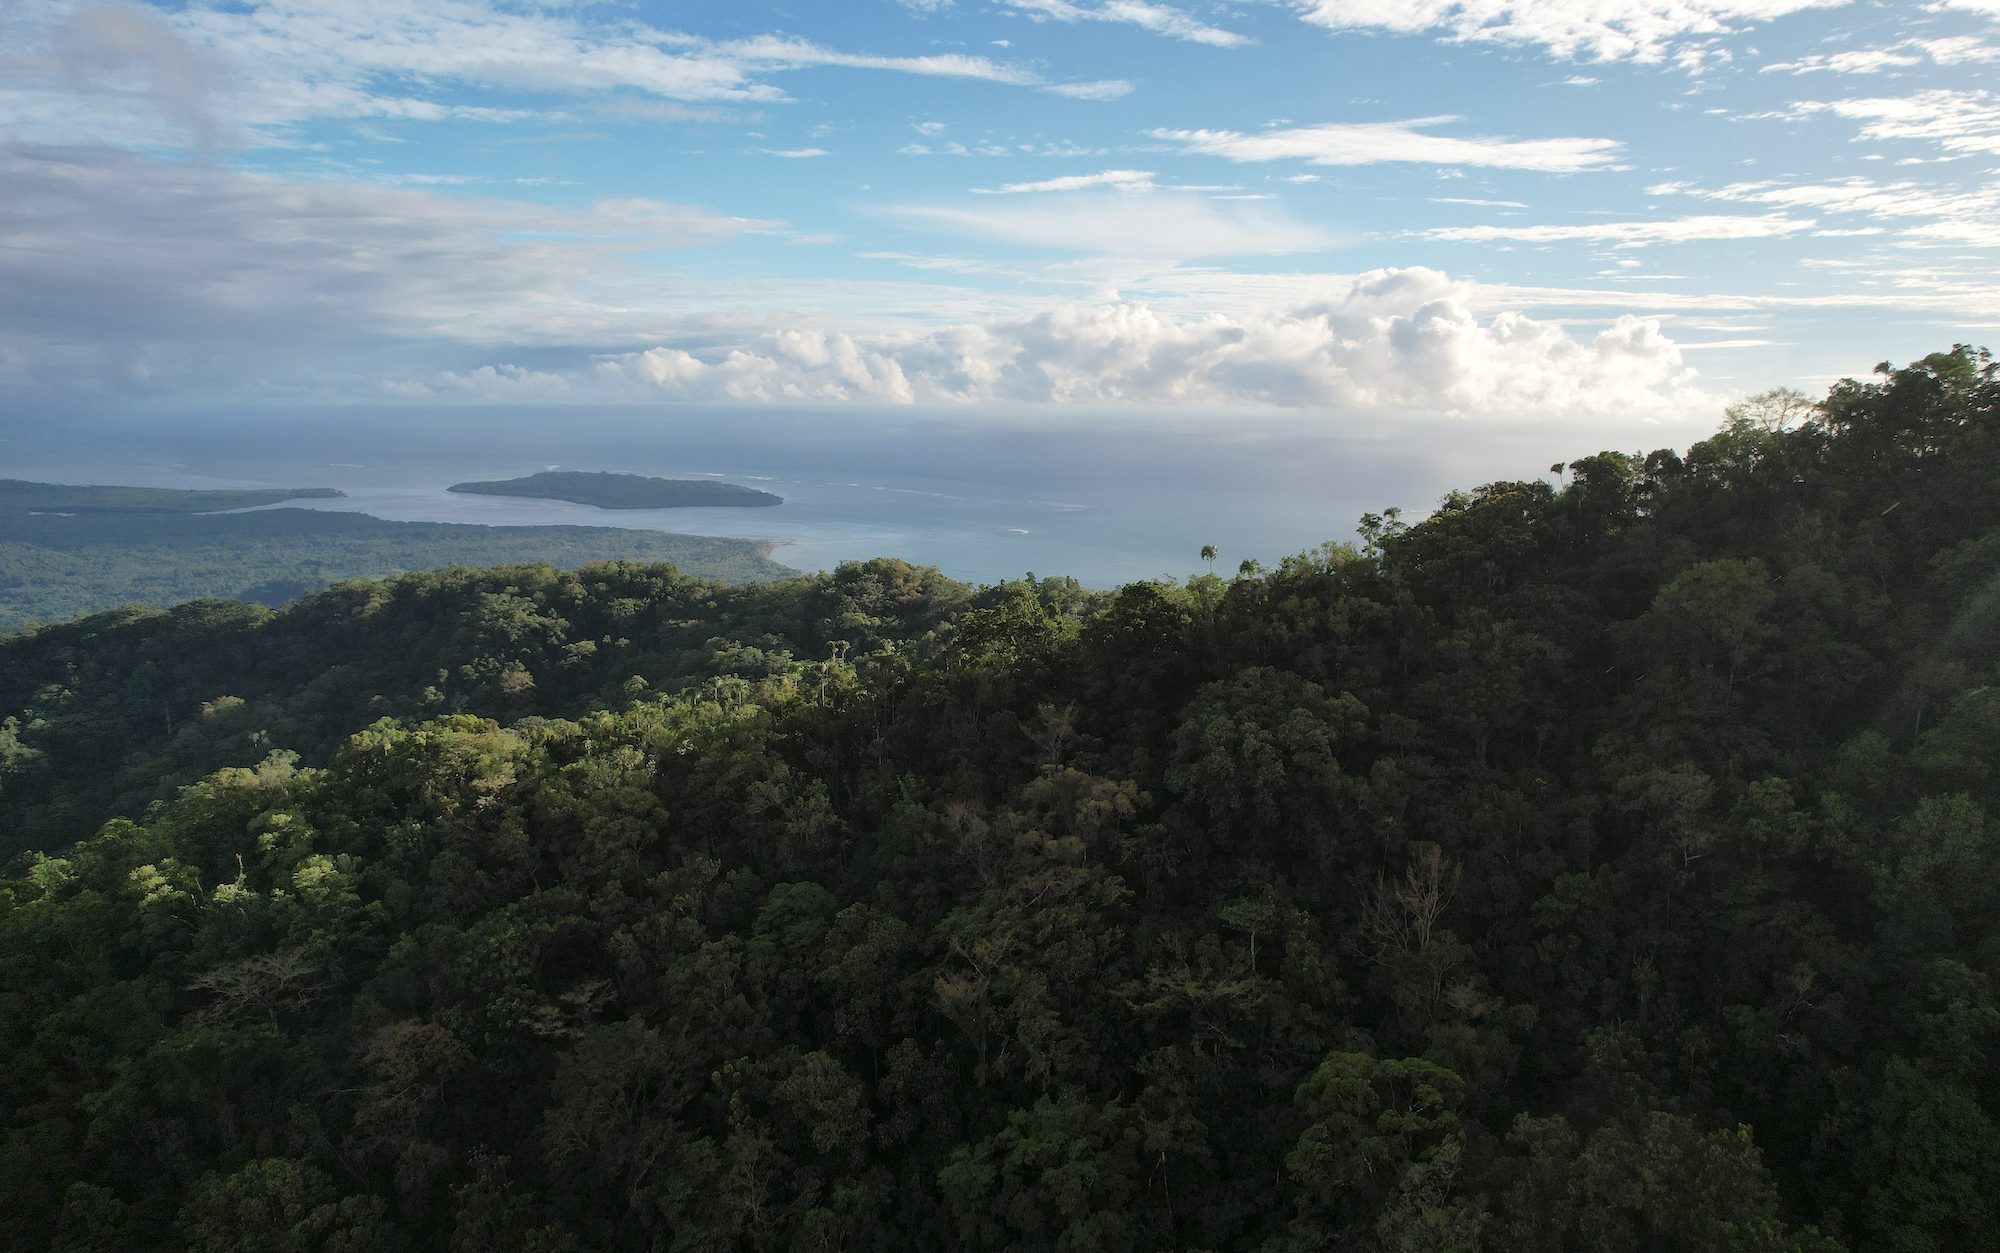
column 1617, row 211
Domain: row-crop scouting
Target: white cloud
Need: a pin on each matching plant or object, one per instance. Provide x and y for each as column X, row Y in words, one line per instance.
column 236, row 72
column 1596, row 30
column 1157, row 18
column 773, row 52
column 1963, row 123
column 1369, row 349
column 1952, row 50
column 1129, row 180
column 1858, row 61
column 787, row 365
column 793, row 154
column 1370, row 143
column 1963, row 296
column 1172, row 225
column 1631, row 234
column 1971, row 217
column 1391, row 340
column 1103, row 89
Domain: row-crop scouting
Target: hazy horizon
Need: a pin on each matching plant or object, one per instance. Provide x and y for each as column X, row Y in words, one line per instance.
column 1104, row 498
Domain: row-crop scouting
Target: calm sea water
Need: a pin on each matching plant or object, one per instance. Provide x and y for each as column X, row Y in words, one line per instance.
column 1105, row 499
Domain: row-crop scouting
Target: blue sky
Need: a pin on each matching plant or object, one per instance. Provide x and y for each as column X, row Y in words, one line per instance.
column 1606, row 210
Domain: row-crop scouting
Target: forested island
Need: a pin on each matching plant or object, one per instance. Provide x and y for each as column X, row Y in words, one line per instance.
column 54, row 567
column 622, row 491
column 1603, row 864
column 19, row 495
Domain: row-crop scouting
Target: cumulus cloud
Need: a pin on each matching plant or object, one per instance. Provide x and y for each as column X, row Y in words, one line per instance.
column 1632, row 234
column 1390, row 340
column 1371, row 143
column 1596, row 30
column 786, row 365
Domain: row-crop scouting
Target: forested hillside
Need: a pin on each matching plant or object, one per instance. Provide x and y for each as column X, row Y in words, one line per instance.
column 1611, row 864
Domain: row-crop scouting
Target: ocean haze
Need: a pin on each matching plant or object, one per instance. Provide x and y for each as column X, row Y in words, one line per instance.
column 1105, row 498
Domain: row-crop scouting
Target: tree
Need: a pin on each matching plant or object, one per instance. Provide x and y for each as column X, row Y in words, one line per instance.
column 1376, row 1129
column 1772, row 410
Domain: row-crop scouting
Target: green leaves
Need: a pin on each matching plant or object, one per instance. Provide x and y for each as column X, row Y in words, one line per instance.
column 1062, row 1176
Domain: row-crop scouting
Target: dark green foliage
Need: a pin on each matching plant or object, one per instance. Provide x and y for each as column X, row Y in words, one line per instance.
column 1610, row 867
column 621, row 491
column 53, row 567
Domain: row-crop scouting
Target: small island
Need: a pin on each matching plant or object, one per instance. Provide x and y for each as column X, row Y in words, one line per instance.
column 623, row 491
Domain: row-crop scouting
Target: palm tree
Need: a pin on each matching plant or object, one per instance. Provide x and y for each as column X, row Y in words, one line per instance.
column 1208, row 553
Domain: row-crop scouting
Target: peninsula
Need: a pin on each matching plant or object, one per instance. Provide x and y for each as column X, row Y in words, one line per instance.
column 20, row 495
column 623, row 491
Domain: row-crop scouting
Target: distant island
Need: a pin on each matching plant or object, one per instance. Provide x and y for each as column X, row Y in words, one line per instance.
column 623, row 491
column 18, row 495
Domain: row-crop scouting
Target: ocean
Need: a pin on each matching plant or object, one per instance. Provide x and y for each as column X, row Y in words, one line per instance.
column 1104, row 498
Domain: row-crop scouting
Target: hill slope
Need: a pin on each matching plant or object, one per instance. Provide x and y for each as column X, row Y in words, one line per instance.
column 1610, row 865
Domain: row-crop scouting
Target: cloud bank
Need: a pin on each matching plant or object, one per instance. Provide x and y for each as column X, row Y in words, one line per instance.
column 124, row 275
column 1392, row 340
